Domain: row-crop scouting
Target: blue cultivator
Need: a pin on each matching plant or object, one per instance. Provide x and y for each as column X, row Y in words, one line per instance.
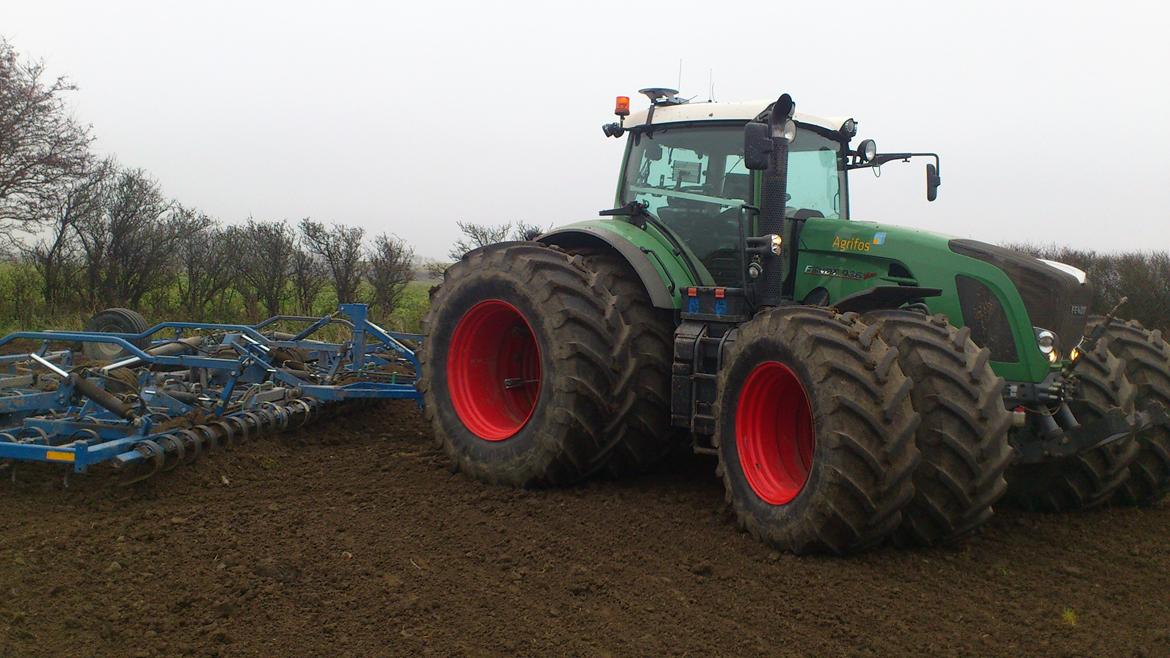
column 179, row 389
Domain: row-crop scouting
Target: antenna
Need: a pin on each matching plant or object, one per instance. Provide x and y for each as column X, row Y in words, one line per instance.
column 680, row 73
column 710, row 85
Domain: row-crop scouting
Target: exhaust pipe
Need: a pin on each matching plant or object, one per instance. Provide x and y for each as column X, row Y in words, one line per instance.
column 766, row 148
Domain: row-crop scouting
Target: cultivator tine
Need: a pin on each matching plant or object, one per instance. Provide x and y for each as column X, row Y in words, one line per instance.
column 255, row 427
column 220, row 433
column 151, row 462
column 239, row 429
column 305, row 414
column 192, row 445
column 173, row 451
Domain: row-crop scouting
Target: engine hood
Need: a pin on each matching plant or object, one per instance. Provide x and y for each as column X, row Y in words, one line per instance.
column 1056, row 296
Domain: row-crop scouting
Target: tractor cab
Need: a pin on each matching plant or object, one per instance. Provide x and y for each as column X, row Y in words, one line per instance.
column 684, row 163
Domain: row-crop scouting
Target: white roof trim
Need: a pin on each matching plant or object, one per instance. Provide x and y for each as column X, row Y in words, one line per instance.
column 1067, row 269
column 744, row 111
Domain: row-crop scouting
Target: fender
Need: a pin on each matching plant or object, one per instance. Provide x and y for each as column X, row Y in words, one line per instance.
column 656, row 279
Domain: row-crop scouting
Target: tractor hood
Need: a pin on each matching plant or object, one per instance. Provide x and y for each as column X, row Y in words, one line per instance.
column 1002, row 295
column 1055, row 295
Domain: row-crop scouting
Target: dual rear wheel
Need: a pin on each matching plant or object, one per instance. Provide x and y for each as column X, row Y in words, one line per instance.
column 551, row 372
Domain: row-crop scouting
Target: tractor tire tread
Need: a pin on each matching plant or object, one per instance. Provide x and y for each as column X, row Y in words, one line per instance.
column 863, row 416
column 571, row 443
column 963, row 438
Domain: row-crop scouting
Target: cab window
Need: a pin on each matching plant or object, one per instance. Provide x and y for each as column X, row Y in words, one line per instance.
column 693, row 180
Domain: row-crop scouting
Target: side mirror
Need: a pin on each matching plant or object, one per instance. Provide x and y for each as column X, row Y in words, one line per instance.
column 933, row 180
column 757, row 146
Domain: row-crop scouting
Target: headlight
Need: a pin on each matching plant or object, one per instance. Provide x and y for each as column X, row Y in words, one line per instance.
column 1047, row 342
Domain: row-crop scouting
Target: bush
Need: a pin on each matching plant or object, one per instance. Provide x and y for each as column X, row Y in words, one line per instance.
column 1142, row 277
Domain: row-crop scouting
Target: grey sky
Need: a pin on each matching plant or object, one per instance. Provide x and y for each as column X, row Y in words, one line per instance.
column 1051, row 117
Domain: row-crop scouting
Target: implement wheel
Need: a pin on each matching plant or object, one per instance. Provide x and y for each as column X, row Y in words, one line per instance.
column 815, row 431
column 114, row 321
column 963, row 437
column 1147, row 364
column 1091, row 478
column 519, row 367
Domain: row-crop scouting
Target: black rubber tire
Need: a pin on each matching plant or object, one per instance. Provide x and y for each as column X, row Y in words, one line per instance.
column 574, row 320
column 1091, row 478
column 114, row 320
column 860, row 476
column 1147, row 364
column 641, row 424
column 963, row 438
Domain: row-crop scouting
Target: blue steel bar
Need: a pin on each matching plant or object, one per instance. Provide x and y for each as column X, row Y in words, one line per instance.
column 210, row 399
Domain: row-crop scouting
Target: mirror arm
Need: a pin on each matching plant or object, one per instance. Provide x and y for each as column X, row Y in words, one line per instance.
column 882, row 158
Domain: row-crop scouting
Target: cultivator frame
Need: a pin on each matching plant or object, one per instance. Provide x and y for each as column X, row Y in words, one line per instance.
column 201, row 387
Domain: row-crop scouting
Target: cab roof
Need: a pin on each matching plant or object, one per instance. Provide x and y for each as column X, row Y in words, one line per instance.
column 710, row 111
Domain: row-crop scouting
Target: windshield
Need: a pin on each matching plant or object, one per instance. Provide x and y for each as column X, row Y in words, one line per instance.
column 694, row 180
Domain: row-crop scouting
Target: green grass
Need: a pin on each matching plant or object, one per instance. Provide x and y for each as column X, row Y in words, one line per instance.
column 23, row 307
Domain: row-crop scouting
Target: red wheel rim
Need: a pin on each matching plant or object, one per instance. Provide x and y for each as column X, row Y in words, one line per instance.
column 774, row 433
column 493, row 370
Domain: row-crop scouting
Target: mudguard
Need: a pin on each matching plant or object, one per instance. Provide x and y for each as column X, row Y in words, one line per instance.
column 655, row 279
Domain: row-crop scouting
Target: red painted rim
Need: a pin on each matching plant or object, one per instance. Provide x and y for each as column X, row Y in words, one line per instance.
column 774, row 433
column 493, row 370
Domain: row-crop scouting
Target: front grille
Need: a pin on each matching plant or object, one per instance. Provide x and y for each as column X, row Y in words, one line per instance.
column 985, row 317
column 1054, row 299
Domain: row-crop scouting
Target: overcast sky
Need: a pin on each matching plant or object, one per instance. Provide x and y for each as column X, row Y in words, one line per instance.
column 1051, row 118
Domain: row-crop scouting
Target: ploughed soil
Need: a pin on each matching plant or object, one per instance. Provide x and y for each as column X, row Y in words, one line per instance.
column 354, row 538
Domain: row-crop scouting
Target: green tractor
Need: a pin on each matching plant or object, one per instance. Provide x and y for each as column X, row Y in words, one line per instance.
column 857, row 382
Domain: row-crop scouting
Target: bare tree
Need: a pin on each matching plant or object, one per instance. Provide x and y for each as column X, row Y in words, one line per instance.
column 481, row 235
column 309, row 276
column 129, row 245
column 434, row 269
column 391, row 267
column 41, row 145
column 340, row 246
column 526, row 231
column 476, row 236
column 56, row 252
column 263, row 259
column 206, row 259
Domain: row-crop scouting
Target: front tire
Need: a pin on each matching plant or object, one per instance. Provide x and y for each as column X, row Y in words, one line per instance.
column 1147, row 364
column 1091, row 478
column 517, row 372
column 963, row 437
column 814, row 431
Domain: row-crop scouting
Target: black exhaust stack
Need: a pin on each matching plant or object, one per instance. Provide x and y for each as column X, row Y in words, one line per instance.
column 766, row 148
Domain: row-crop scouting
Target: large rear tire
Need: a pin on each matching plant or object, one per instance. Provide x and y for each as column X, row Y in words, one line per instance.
column 815, row 431
column 1146, row 356
column 519, row 367
column 641, row 424
column 1091, row 478
column 963, row 437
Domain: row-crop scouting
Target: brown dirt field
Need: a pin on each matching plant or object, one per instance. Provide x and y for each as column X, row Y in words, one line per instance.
column 356, row 539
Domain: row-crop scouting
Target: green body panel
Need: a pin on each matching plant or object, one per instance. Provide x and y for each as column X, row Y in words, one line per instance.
column 848, row 256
